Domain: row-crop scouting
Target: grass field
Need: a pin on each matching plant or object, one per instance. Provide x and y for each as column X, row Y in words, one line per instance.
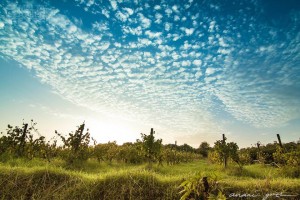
column 37, row 179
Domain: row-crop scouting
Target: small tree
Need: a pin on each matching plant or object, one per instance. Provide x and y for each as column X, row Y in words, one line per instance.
column 151, row 147
column 20, row 142
column 227, row 150
column 203, row 149
column 76, row 144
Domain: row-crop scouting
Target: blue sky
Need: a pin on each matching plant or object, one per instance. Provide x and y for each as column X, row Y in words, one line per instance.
column 190, row 69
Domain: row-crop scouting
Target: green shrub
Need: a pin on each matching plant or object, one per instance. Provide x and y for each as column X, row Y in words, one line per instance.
column 76, row 145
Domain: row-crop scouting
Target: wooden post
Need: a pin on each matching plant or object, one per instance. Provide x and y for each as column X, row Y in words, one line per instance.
column 22, row 142
column 150, row 156
column 225, row 153
column 279, row 140
column 206, row 187
column 258, row 147
column 24, row 132
column 81, row 130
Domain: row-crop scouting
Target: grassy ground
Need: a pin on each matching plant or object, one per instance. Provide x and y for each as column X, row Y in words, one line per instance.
column 38, row 179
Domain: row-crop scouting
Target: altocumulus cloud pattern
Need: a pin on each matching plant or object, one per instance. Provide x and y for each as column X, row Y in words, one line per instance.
column 177, row 64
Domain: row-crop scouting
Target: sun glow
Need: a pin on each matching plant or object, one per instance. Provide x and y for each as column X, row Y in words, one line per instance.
column 112, row 130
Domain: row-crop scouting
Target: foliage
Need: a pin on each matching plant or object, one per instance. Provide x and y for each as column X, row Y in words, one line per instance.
column 151, row 147
column 111, row 151
column 50, row 150
column 267, row 153
column 20, row 142
column 201, row 187
column 287, row 158
column 293, row 158
column 186, row 148
column 278, row 156
column 272, row 154
column 76, row 145
column 204, row 149
column 225, row 150
column 248, row 155
column 171, row 156
column 26, row 142
column 37, row 179
column 131, row 153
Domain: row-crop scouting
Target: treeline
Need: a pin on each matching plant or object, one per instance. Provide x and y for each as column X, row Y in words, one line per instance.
column 275, row 154
column 27, row 142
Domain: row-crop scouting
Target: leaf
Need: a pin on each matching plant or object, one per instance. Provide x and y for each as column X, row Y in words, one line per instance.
column 184, row 183
column 185, row 195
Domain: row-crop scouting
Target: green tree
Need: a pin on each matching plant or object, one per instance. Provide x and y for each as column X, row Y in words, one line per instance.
column 204, row 149
column 76, row 144
column 111, row 151
column 226, row 150
column 130, row 153
column 20, row 142
column 151, row 147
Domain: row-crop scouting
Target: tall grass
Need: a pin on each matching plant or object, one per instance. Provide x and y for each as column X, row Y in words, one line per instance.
column 38, row 179
column 51, row 183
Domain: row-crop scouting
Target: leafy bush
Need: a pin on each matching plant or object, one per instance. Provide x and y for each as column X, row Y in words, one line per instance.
column 76, row 145
column 224, row 151
column 151, row 147
column 204, row 149
column 20, row 142
column 131, row 153
column 106, row 152
column 201, row 187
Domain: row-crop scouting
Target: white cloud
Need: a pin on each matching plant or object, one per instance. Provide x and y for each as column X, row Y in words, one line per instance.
column 175, row 8
column 134, row 31
column 148, row 74
column 145, row 42
column 186, row 46
column 168, row 12
column 105, row 13
column 197, row 62
column 224, row 51
column 195, row 24
column 158, row 18
column 72, row 29
column 189, row 31
column 222, row 43
column 186, row 63
column 198, row 74
column 168, row 26
column 209, row 71
column 176, row 37
column 121, row 16
column 104, row 46
column 129, row 11
column 187, row 6
column 114, row 4
column 157, row 7
column 152, row 35
column 212, row 26
column 145, row 22
column 1, row 25
column 100, row 26
column 90, row 3
column 117, row 44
